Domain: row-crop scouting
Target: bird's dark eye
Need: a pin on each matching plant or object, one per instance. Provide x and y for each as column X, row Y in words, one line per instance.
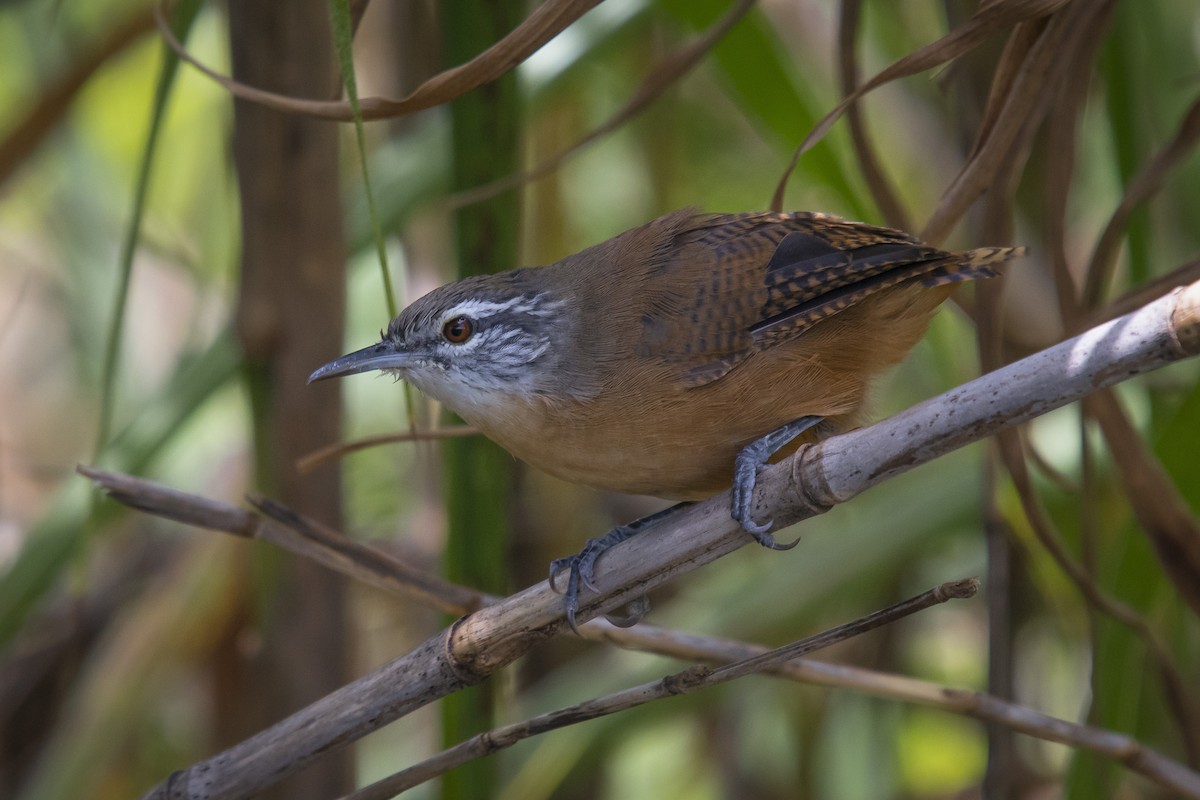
column 458, row 330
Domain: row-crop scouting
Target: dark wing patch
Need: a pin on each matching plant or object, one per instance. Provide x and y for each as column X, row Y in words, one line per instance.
column 799, row 247
column 799, row 317
column 865, row 277
column 792, row 279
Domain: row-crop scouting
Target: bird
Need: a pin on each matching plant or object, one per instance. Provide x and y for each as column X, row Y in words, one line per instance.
column 679, row 357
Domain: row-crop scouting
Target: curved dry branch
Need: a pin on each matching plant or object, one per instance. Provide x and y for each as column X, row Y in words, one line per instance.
column 547, row 21
column 339, row 450
column 804, row 485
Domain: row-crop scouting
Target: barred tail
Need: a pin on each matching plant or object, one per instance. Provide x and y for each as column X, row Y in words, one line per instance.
column 970, row 265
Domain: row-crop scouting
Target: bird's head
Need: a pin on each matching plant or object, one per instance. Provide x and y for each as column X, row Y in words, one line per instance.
column 471, row 344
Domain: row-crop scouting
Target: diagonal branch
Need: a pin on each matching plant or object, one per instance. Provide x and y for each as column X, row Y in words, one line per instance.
column 814, row 479
column 378, row 569
column 293, row 532
column 690, row 680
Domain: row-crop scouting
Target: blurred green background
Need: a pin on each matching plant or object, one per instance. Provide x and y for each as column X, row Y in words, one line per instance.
column 128, row 644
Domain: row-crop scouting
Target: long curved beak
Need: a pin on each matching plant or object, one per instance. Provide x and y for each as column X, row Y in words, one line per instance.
column 383, row 355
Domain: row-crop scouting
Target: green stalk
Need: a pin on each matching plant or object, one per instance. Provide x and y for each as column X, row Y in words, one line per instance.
column 485, row 146
column 343, row 42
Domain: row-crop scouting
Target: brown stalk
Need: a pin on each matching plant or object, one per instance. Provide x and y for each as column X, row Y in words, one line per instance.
column 877, row 182
column 1061, row 140
column 991, row 17
column 1143, row 186
column 1161, row 512
column 1022, row 108
column 1182, row 275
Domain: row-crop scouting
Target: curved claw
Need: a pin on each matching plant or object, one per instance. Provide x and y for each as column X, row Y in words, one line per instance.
column 756, row 528
column 586, row 569
column 571, row 599
column 769, row 541
column 581, row 567
column 752, row 458
column 743, row 492
column 556, row 568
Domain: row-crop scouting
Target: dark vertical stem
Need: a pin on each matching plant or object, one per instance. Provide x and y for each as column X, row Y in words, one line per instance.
column 970, row 84
column 1000, row 778
column 485, row 141
column 881, row 188
column 289, row 318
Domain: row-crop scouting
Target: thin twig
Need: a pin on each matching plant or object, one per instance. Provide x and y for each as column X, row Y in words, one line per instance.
column 1185, row 273
column 293, row 532
column 340, row 450
column 977, row 705
column 652, row 639
column 686, row 681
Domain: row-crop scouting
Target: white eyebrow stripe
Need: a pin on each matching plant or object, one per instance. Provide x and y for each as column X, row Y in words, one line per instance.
column 480, row 309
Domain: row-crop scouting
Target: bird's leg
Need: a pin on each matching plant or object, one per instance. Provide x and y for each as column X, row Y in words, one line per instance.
column 582, row 567
column 750, row 460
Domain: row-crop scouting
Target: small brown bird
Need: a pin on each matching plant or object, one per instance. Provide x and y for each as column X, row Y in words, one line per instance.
column 678, row 357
